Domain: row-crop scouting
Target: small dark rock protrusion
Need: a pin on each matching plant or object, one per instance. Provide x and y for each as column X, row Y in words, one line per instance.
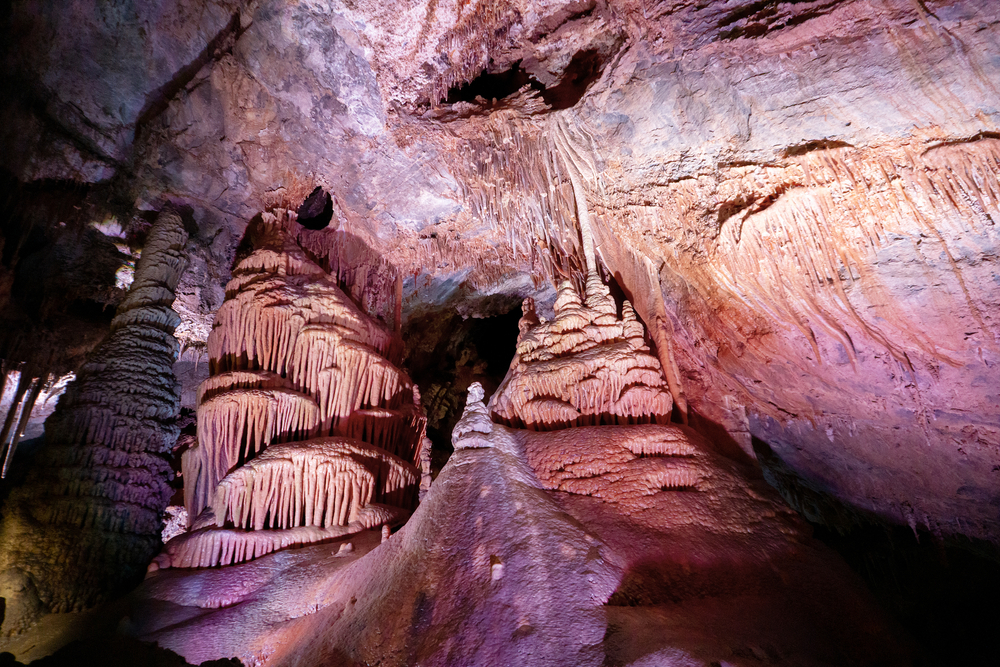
column 317, row 210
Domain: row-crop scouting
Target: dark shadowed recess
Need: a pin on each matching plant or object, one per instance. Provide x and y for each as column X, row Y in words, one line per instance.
column 584, row 69
column 756, row 19
column 316, row 210
column 113, row 651
column 445, row 353
column 943, row 591
column 57, row 275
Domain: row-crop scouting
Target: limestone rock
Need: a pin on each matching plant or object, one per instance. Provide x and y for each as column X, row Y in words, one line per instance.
column 305, row 425
column 87, row 521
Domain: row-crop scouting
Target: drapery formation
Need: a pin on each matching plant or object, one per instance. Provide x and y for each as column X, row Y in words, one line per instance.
column 306, row 424
column 87, row 520
column 584, row 367
column 596, row 406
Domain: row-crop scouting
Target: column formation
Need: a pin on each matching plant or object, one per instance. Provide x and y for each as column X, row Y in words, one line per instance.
column 87, row 520
column 307, row 427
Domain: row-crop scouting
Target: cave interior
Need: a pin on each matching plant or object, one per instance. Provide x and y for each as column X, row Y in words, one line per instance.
column 500, row 333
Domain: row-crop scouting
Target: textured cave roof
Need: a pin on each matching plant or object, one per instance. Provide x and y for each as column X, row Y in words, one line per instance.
column 799, row 198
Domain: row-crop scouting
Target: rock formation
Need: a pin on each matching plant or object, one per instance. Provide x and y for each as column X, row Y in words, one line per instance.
column 776, row 189
column 571, row 539
column 584, row 367
column 87, row 521
column 306, row 425
column 798, row 199
column 544, row 568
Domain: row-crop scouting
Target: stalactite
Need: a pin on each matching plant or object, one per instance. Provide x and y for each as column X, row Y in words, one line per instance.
column 87, row 519
column 211, row 547
column 236, row 425
column 293, row 358
column 585, row 366
column 805, row 259
column 319, row 482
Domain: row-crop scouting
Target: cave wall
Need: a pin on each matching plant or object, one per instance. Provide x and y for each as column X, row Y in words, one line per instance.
column 799, row 198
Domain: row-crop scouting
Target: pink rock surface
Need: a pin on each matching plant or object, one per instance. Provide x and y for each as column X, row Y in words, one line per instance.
column 526, row 576
column 799, row 198
column 294, row 359
column 585, row 366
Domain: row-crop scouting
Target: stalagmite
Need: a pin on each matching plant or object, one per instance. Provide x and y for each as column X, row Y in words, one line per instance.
column 585, row 367
column 87, row 520
column 306, row 422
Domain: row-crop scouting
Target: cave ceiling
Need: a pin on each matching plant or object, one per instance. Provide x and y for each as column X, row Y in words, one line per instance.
column 800, row 199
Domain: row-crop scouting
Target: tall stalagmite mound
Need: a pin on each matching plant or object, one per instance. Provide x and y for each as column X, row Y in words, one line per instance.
column 306, row 425
column 88, row 518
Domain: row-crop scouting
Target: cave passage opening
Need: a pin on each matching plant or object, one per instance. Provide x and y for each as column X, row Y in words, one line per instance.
column 445, row 353
column 583, row 70
column 493, row 86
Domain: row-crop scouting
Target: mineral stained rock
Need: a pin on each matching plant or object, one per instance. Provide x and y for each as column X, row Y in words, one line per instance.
column 306, row 429
column 87, row 520
column 800, row 197
column 584, row 546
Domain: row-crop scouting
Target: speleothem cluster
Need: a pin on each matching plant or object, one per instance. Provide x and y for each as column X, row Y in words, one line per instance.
column 88, row 518
column 307, row 428
column 585, row 367
column 595, row 410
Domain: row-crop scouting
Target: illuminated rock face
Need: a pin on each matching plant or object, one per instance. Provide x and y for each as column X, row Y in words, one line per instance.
column 87, row 520
column 582, row 546
column 306, row 426
column 571, row 543
column 799, row 197
column 586, row 366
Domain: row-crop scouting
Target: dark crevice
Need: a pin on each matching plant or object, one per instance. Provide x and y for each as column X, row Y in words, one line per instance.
column 755, row 9
column 105, row 647
column 759, row 18
column 489, row 87
column 493, row 86
column 730, row 208
column 816, row 145
column 316, row 210
column 582, row 72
